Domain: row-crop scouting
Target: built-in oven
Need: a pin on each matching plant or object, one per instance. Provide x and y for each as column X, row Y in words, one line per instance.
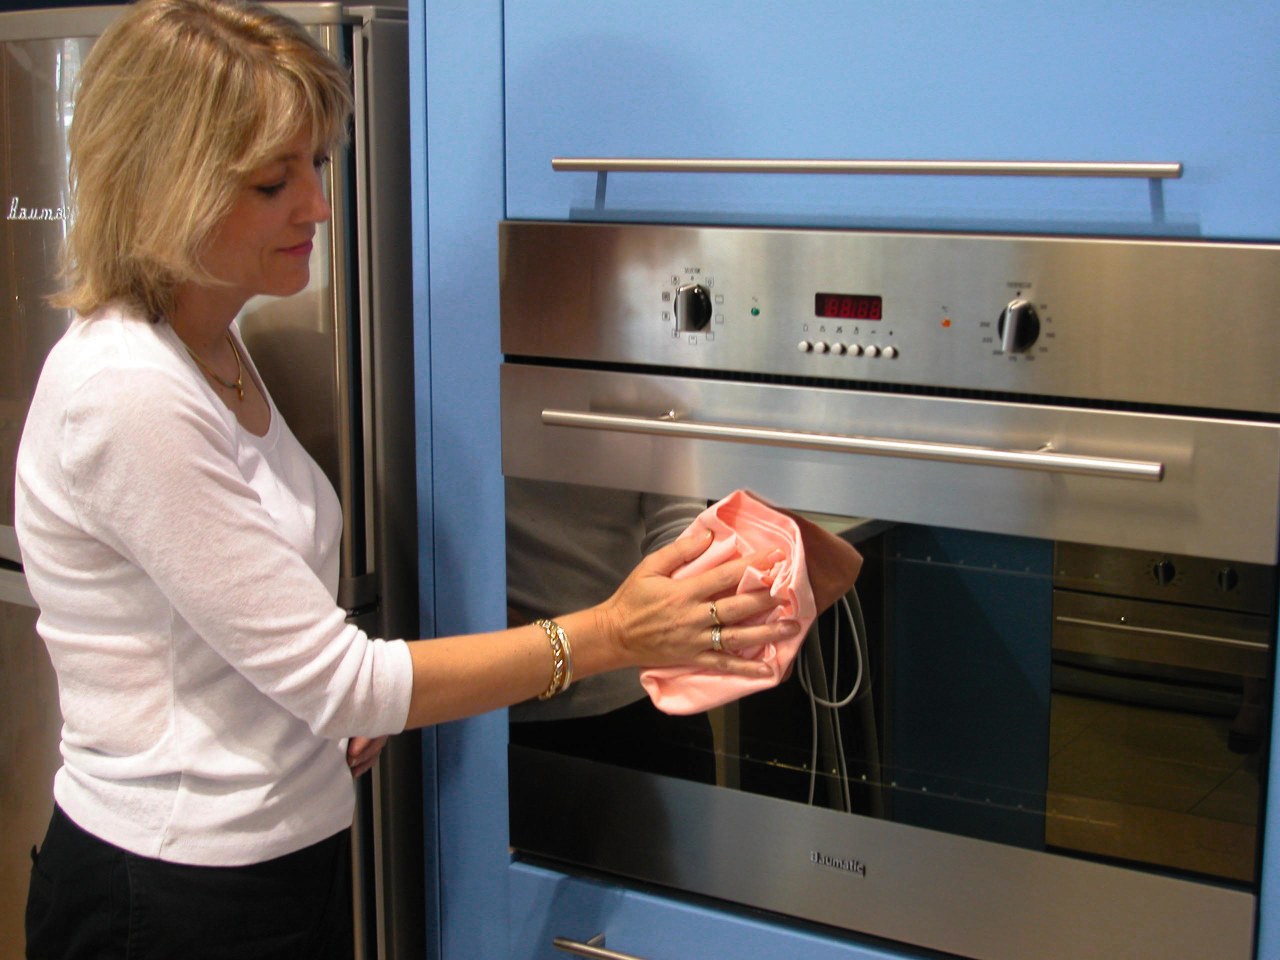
column 1039, row 724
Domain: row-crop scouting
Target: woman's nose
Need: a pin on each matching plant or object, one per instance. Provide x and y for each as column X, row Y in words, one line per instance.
column 315, row 206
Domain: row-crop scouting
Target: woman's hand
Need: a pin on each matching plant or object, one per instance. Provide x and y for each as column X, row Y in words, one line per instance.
column 362, row 753
column 656, row 621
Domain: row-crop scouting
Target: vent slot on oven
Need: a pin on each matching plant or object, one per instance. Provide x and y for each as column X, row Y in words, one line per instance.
column 896, row 389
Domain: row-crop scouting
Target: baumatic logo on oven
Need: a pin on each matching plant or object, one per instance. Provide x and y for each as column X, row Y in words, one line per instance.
column 19, row 212
column 848, row 865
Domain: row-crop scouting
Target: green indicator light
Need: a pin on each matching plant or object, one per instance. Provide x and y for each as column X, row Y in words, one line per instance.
column 755, row 311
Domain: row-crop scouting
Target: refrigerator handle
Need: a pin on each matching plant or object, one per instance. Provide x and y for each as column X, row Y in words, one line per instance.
column 358, row 595
column 358, row 586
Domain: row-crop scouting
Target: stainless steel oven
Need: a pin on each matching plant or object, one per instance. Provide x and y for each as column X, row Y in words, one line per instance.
column 991, row 749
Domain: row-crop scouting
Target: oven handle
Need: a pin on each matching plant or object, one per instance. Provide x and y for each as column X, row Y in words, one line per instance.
column 593, row 948
column 1044, row 460
column 1253, row 645
column 966, row 168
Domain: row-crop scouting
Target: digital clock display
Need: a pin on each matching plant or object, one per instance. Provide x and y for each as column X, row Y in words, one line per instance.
column 847, row 306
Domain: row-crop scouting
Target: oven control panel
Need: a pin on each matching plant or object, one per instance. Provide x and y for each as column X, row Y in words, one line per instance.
column 857, row 326
column 1141, row 321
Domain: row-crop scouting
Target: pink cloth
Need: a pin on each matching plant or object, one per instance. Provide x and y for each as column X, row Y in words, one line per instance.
column 741, row 526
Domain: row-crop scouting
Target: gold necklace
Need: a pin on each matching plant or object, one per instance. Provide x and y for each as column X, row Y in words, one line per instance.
column 238, row 383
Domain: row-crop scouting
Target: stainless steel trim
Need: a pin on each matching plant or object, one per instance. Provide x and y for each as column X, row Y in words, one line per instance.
column 966, row 168
column 919, row 886
column 1157, row 632
column 1120, row 319
column 1043, row 460
column 55, row 24
column 593, row 948
column 1185, row 513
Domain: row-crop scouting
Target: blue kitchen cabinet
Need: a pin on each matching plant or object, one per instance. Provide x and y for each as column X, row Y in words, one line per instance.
column 1182, row 81
column 500, row 88
column 546, row 904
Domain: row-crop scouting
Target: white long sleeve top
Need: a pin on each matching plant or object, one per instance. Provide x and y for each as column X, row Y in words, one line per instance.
column 186, row 572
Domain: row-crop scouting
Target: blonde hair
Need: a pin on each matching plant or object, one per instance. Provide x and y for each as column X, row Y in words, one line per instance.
column 179, row 101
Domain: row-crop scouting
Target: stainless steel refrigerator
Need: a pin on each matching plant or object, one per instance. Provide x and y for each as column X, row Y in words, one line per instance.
column 336, row 357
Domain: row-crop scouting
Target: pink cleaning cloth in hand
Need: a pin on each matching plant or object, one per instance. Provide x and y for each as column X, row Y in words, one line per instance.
column 741, row 526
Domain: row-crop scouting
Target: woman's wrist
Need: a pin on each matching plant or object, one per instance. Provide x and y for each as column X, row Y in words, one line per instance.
column 596, row 648
column 561, row 659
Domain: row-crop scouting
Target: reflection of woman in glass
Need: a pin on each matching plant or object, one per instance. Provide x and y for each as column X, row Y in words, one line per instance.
column 566, row 545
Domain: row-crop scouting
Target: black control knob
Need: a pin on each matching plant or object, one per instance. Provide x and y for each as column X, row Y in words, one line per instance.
column 1019, row 327
column 693, row 307
column 1228, row 579
column 1164, row 571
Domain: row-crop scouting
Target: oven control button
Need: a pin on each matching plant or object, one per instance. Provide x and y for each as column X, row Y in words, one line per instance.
column 1164, row 571
column 1019, row 327
column 820, row 347
column 693, row 307
column 889, row 352
column 855, row 349
column 1228, row 579
column 838, row 349
column 873, row 351
column 804, row 346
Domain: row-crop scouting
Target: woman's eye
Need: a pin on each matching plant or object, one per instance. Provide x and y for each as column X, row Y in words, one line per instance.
column 320, row 160
column 270, row 189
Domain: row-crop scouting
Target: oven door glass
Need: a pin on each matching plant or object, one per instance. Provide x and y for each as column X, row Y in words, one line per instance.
column 989, row 692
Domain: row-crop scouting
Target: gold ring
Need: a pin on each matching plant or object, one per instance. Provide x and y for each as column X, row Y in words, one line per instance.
column 716, row 645
column 715, row 617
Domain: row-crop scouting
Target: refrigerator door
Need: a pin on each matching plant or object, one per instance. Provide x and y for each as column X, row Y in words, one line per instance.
column 338, row 360
column 29, row 725
column 37, row 77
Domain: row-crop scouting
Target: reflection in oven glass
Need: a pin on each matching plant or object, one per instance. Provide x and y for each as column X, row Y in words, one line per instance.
column 994, row 687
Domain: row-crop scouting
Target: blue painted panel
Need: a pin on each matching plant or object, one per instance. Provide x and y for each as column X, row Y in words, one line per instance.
column 1182, row 81
column 546, row 905
column 458, row 200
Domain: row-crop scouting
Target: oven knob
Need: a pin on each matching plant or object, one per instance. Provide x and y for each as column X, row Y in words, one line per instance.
column 1228, row 579
column 1164, row 571
column 693, row 307
column 873, row 351
column 838, row 349
column 820, row 347
column 855, row 349
column 804, row 346
column 1019, row 327
column 890, row 353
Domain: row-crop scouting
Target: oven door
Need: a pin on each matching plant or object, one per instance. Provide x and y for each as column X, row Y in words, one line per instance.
column 902, row 782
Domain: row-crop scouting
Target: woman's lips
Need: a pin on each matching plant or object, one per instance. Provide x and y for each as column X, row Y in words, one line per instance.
column 301, row 250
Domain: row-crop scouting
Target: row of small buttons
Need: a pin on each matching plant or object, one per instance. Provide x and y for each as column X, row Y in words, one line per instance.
column 852, row 349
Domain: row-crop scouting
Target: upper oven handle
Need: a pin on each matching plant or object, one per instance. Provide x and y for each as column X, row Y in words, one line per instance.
column 967, row 168
column 1045, row 459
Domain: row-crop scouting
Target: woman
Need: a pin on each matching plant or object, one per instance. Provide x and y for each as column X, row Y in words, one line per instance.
column 182, row 546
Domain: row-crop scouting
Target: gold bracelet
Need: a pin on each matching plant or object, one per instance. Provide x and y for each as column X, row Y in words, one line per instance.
column 561, row 659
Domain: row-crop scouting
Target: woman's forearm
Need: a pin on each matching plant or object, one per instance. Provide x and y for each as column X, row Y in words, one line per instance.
column 652, row 620
column 456, row 677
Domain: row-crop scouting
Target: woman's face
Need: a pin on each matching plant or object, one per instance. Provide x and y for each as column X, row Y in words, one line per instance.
column 263, row 246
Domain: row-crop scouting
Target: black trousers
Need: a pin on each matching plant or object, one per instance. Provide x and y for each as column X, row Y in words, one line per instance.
column 90, row 899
